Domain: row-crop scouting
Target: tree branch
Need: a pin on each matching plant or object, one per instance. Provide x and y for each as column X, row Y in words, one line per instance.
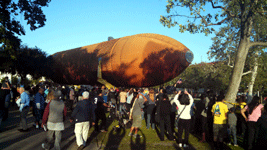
column 228, row 12
column 257, row 44
column 261, row 11
column 206, row 23
column 218, row 23
column 180, row 16
column 204, row 20
column 216, row 6
column 246, row 73
column 229, row 62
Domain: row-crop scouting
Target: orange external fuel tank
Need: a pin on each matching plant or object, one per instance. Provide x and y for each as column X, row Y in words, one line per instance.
column 141, row 60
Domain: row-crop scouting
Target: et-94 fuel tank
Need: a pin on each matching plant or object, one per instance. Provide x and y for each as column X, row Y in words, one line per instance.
column 141, row 60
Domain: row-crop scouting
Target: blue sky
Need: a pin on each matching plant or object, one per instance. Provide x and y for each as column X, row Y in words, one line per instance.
column 75, row 23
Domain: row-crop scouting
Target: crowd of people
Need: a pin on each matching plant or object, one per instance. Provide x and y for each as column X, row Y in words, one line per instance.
column 216, row 120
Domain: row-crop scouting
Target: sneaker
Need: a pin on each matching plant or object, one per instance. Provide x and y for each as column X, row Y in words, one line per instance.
column 229, row 143
column 180, row 145
column 130, row 134
column 43, row 146
column 37, row 126
column 236, row 145
column 80, row 147
column 103, row 130
column 185, row 146
column 137, row 136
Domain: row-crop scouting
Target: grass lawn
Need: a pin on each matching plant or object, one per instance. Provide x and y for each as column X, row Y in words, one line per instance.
column 149, row 140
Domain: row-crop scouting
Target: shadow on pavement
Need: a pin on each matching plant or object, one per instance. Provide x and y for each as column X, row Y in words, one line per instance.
column 68, row 132
column 99, row 136
column 138, row 143
column 32, row 131
column 114, row 139
column 13, row 119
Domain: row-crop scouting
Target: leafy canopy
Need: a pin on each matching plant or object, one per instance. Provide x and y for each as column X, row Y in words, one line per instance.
column 10, row 26
column 31, row 61
column 203, row 14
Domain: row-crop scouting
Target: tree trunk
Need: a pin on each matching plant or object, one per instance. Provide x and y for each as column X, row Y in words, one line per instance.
column 242, row 52
column 238, row 70
column 253, row 78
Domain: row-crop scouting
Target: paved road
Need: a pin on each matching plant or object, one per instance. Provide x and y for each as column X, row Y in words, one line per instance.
column 12, row 139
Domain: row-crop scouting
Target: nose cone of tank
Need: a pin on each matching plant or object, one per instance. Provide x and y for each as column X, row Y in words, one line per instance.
column 189, row 56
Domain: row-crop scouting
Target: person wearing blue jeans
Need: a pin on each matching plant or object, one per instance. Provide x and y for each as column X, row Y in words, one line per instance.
column 6, row 87
column 232, row 120
column 122, row 107
column 141, row 91
column 122, row 96
column 150, row 120
column 150, row 110
column 39, row 106
column 233, row 133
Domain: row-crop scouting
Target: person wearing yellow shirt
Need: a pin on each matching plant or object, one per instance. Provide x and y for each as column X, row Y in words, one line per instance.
column 239, row 105
column 219, row 111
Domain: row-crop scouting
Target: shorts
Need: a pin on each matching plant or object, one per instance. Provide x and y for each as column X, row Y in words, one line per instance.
column 219, row 130
column 137, row 121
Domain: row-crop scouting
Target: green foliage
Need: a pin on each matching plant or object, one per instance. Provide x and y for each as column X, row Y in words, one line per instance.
column 10, row 26
column 35, row 81
column 6, row 62
column 2, row 80
column 31, row 61
column 197, row 20
column 203, row 14
column 241, row 23
column 15, row 80
column 226, row 42
column 261, row 80
column 205, row 75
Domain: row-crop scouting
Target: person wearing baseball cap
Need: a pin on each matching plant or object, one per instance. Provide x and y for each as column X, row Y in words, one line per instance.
column 83, row 114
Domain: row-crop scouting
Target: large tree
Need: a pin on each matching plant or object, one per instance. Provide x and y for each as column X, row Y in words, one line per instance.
column 244, row 13
column 10, row 26
column 31, row 61
column 225, row 46
column 206, row 76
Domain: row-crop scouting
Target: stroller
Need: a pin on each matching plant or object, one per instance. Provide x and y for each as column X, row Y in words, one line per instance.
column 124, row 121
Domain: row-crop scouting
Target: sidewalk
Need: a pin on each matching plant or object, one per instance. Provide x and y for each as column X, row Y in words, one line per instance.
column 11, row 138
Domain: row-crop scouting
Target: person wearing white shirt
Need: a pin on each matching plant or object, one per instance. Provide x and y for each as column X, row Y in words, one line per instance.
column 184, row 102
